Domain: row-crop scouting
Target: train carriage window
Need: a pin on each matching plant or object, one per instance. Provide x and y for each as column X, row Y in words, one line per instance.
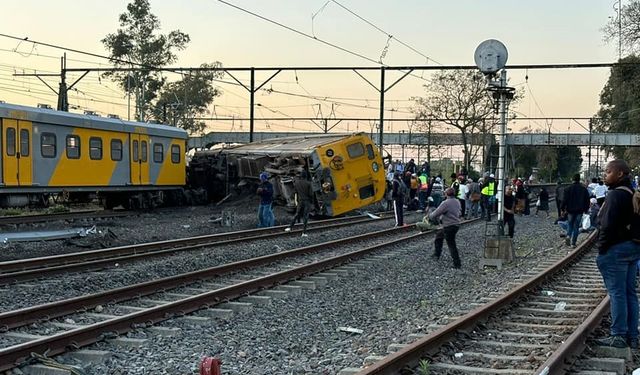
column 24, row 142
column 95, row 148
column 48, row 145
column 370, row 154
column 73, row 147
column 175, row 154
column 134, row 151
column 355, row 150
column 116, row 150
column 143, row 151
column 158, row 152
column 11, row 142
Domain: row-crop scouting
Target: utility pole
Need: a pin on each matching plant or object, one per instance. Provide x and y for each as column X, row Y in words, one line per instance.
column 589, row 153
column 619, row 30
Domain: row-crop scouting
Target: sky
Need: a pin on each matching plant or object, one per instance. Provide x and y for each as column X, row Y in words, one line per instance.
column 442, row 33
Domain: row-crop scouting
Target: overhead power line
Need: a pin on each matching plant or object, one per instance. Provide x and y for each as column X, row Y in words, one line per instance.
column 343, row 49
column 384, row 32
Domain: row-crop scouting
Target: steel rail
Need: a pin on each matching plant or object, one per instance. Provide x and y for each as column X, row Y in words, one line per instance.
column 57, row 344
column 27, row 269
column 27, row 219
column 413, row 353
column 563, row 357
column 21, row 317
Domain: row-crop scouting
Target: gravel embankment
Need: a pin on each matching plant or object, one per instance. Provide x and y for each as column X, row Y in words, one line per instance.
column 297, row 334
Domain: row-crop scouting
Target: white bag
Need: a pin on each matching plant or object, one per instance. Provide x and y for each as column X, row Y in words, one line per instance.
column 586, row 222
column 538, row 203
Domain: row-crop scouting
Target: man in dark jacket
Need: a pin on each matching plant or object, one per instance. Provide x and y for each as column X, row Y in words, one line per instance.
column 265, row 191
column 304, row 192
column 559, row 199
column 398, row 198
column 618, row 253
column 576, row 203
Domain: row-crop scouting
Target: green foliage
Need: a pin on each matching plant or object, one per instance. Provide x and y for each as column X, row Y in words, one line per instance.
column 11, row 212
column 424, row 367
column 620, row 106
column 180, row 102
column 58, row 208
column 137, row 42
column 553, row 162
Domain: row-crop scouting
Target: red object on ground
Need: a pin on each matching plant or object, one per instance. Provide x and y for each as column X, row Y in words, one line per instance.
column 210, row 366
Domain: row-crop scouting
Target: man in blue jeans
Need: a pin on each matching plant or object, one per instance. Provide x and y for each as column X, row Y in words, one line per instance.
column 575, row 203
column 618, row 253
column 265, row 191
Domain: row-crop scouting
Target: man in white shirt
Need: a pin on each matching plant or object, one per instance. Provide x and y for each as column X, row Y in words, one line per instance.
column 600, row 191
column 462, row 195
column 592, row 186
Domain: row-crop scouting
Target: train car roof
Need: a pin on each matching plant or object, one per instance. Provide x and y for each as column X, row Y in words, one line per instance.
column 288, row 145
column 61, row 118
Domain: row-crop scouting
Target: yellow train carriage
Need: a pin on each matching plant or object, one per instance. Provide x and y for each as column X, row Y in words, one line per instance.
column 46, row 152
column 346, row 170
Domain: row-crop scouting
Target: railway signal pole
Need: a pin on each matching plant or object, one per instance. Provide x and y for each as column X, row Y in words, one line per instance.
column 491, row 58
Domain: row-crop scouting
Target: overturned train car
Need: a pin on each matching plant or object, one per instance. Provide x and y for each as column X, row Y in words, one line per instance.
column 346, row 171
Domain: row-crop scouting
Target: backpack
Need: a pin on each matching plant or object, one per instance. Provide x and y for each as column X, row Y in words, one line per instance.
column 635, row 200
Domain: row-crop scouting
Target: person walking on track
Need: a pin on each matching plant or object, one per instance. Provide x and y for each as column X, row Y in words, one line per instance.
column 449, row 214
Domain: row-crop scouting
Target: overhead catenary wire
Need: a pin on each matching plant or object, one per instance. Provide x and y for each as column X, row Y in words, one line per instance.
column 385, row 32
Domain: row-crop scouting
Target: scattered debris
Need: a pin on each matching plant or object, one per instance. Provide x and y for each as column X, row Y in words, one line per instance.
column 366, row 213
column 350, row 330
column 5, row 238
column 560, row 306
column 228, row 219
column 223, row 199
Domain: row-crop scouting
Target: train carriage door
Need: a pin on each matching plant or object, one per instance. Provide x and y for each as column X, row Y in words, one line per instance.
column 17, row 160
column 144, row 159
column 139, row 160
column 134, row 159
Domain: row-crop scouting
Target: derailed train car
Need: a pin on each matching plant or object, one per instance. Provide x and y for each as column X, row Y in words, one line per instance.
column 346, row 171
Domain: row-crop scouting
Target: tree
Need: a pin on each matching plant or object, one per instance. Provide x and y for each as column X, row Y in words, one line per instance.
column 138, row 43
column 620, row 106
column 180, row 102
column 459, row 99
column 625, row 27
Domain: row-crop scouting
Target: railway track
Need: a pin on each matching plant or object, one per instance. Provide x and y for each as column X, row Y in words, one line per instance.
column 178, row 295
column 77, row 215
column 538, row 327
column 31, row 268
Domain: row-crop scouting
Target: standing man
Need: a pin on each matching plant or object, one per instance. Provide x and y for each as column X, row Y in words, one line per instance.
column 576, row 203
column 449, row 214
column 398, row 199
column 600, row 191
column 618, row 253
column 304, row 192
column 462, row 195
column 265, row 191
column 487, row 193
column 509, row 210
column 559, row 200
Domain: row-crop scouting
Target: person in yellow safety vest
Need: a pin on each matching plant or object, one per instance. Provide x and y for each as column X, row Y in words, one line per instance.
column 422, row 190
column 488, row 195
